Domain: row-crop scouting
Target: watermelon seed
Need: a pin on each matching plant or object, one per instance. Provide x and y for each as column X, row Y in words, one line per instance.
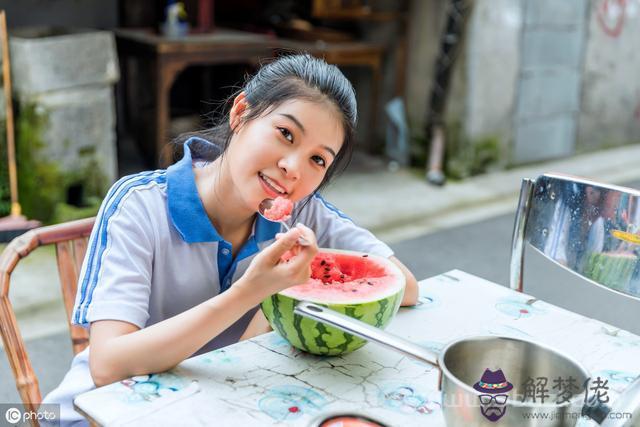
column 369, row 283
column 323, row 262
column 365, row 255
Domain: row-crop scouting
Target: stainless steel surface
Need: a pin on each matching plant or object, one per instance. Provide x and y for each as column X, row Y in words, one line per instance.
column 463, row 363
column 265, row 205
column 589, row 228
column 364, row 330
column 627, row 403
column 517, row 242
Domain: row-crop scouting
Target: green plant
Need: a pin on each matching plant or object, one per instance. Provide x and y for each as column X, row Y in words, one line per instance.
column 93, row 180
column 474, row 160
column 418, row 149
column 39, row 180
column 467, row 157
column 42, row 184
column 5, row 195
column 463, row 157
column 64, row 212
column 94, row 184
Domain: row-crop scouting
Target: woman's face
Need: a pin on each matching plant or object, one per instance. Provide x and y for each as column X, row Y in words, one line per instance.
column 284, row 153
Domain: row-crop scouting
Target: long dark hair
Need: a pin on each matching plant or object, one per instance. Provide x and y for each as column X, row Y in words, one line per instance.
column 288, row 77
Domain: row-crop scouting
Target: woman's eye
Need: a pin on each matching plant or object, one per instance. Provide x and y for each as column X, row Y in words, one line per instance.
column 288, row 136
column 319, row 160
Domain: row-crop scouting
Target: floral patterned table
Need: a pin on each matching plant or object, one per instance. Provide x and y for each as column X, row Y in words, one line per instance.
column 264, row 381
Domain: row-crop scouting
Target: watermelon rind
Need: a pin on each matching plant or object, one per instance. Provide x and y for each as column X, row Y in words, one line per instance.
column 318, row 338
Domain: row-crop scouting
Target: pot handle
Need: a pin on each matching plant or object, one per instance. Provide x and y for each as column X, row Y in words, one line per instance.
column 627, row 403
column 365, row 331
column 595, row 410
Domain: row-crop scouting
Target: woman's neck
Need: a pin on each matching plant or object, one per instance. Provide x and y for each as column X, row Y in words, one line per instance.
column 228, row 216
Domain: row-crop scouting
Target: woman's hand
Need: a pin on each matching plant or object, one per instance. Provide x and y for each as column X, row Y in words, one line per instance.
column 411, row 291
column 269, row 273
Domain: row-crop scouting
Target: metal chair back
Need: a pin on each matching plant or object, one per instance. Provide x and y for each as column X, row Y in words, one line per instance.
column 589, row 228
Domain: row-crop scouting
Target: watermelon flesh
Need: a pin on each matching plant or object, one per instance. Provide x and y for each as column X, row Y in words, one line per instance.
column 342, row 279
column 280, row 209
column 367, row 287
column 325, row 269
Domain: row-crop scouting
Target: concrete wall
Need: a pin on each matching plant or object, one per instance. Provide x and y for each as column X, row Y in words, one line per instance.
column 493, row 52
column 482, row 89
column 547, row 78
column 610, row 111
column 549, row 81
column 426, row 18
column 69, row 80
column 371, row 128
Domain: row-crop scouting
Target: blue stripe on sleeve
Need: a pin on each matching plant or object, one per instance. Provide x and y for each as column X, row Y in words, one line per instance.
column 332, row 207
column 114, row 190
column 90, row 279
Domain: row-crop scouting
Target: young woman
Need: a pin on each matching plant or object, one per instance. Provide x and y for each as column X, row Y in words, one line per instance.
column 179, row 261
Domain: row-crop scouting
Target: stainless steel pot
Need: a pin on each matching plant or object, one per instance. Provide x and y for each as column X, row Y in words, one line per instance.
column 463, row 362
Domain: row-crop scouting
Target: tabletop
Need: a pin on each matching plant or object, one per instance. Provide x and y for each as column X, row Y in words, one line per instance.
column 220, row 36
column 265, row 381
column 140, row 39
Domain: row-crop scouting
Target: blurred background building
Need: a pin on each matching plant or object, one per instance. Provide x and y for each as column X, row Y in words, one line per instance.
column 100, row 89
column 518, row 87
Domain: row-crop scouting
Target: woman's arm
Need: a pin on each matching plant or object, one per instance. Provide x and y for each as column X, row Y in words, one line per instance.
column 411, row 291
column 259, row 325
column 120, row 349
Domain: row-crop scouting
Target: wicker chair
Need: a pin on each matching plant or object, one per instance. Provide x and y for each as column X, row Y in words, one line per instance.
column 71, row 243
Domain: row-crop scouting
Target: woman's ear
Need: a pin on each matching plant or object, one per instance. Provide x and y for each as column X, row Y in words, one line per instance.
column 238, row 110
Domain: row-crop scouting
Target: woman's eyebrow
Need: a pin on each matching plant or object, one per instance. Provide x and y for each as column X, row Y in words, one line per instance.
column 330, row 150
column 294, row 120
column 297, row 122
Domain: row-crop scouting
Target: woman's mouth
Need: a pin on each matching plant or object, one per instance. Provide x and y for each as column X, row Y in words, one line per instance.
column 271, row 187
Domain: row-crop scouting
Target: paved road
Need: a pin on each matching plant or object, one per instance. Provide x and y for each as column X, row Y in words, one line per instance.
column 484, row 248
column 481, row 248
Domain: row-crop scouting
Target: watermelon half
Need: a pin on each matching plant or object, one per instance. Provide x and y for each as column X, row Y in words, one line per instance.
column 364, row 286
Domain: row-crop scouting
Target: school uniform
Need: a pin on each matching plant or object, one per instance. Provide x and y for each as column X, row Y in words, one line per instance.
column 153, row 253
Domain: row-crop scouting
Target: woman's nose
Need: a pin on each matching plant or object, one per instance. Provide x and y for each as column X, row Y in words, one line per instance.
column 290, row 166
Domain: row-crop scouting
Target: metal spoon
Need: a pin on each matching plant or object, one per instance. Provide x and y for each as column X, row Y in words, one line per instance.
column 265, row 205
